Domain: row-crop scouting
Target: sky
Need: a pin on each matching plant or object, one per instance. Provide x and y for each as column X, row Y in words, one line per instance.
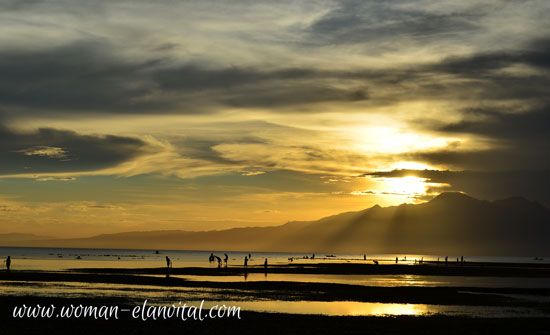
column 200, row 115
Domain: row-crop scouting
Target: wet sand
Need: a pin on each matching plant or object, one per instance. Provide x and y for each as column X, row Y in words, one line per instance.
column 427, row 268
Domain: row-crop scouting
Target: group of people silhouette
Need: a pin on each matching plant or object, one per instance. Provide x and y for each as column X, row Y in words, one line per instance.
column 214, row 258
column 461, row 260
column 247, row 258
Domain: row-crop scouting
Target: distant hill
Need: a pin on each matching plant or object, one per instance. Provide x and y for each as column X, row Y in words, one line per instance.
column 451, row 223
column 16, row 237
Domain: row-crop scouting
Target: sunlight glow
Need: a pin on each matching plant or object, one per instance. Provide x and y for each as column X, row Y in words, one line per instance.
column 395, row 140
column 409, row 186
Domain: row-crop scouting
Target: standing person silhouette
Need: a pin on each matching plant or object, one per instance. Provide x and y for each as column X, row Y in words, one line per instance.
column 225, row 259
column 8, row 263
column 168, row 266
column 265, row 264
column 245, row 261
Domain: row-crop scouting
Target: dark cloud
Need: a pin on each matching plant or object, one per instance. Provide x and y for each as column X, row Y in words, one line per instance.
column 385, row 21
column 87, row 76
column 491, row 185
column 81, row 76
column 535, row 53
column 526, row 126
column 518, row 140
column 50, row 150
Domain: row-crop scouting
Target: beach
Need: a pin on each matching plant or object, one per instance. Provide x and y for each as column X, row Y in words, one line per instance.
column 303, row 296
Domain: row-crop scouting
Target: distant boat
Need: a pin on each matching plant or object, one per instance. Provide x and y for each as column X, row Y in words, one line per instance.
column 330, row 256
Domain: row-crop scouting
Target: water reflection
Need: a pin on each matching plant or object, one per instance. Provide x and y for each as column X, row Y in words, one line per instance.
column 385, row 280
column 351, row 308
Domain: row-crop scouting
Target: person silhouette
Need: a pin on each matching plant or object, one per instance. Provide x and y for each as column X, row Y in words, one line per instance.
column 446, row 259
column 168, row 262
column 211, row 258
column 8, row 263
column 225, row 259
column 265, row 264
column 219, row 261
column 364, row 257
column 245, row 261
column 396, row 260
column 313, row 256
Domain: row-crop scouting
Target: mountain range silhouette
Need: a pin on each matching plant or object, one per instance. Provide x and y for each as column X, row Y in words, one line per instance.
column 451, row 223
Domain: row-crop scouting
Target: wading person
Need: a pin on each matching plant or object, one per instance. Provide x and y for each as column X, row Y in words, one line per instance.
column 168, row 266
column 245, row 261
column 8, row 263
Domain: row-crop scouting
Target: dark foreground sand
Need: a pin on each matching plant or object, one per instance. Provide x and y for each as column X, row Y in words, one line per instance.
column 265, row 323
